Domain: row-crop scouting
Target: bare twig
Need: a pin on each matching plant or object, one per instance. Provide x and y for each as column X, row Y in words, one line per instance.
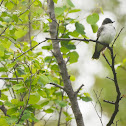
column 27, row 99
column 3, row 109
column 77, row 39
column 28, row 50
column 18, row 16
column 110, row 78
column 67, row 60
column 97, row 97
column 106, row 60
column 118, row 98
column 79, row 89
column 110, row 102
column 57, row 85
column 29, row 24
column 60, row 112
column 7, row 78
column 1, row 2
column 117, row 36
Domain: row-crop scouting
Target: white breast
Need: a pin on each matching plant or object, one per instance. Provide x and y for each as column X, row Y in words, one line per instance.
column 108, row 34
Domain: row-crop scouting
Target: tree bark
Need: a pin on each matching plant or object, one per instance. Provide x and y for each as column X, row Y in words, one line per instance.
column 62, row 66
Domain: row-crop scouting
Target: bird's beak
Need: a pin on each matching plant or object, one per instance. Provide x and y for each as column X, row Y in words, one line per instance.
column 113, row 21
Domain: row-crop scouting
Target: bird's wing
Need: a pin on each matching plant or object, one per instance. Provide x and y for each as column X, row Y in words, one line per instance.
column 99, row 31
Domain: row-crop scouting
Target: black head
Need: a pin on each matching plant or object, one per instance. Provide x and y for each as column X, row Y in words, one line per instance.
column 107, row 21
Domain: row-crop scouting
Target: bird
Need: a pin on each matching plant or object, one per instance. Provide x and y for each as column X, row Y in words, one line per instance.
column 106, row 34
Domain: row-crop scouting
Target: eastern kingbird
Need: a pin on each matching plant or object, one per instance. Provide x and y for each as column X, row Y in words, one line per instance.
column 105, row 34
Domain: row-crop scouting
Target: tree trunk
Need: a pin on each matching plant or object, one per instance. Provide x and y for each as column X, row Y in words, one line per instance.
column 62, row 66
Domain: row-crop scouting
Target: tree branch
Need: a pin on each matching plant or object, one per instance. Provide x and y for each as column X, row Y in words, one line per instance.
column 118, row 98
column 79, row 89
column 1, row 2
column 110, row 78
column 28, row 50
column 7, row 78
column 77, row 39
column 3, row 109
column 117, row 36
column 62, row 65
column 28, row 97
column 57, row 85
column 18, row 16
column 110, row 102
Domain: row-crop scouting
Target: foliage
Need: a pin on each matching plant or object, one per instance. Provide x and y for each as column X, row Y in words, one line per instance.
column 30, row 91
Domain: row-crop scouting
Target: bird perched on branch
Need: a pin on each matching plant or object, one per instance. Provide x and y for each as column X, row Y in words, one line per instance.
column 106, row 33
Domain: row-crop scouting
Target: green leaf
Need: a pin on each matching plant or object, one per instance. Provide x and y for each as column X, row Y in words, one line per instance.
column 34, row 99
column 3, row 69
column 79, row 28
column 44, row 103
column 74, row 10
column 73, row 57
column 43, row 79
column 20, row 33
column 3, row 122
column 61, row 103
column 49, row 110
column 86, row 99
column 47, row 47
column 26, row 115
column 1, row 103
column 72, row 78
column 101, row 10
column 55, row 1
column 20, row 71
column 55, row 67
column 64, row 50
column 17, row 86
column 14, row 101
column 93, row 19
column 1, row 50
column 59, row 10
column 70, row 3
column 15, row 18
column 11, row 111
column 94, row 28
column 12, row 119
column 74, row 33
column 48, row 59
column 9, row 5
column 42, row 93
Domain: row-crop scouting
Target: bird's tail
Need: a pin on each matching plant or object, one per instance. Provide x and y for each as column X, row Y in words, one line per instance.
column 96, row 55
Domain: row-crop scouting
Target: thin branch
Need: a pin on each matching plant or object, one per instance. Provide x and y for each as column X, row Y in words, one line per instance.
column 29, row 24
column 106, row 60
column 57, row 85
column 1, row 2
column 18, row 16
column 84, row 39
column 3, row 109
column 110, row 78
column 60, row 112
column 118, row 98
column 28, row 50
column 117, row 36
column 67, row 60
column 110, row 102
column 7, row 78
column 79, row 89
column 27, row 99
column 97, row 97
column 27, row 9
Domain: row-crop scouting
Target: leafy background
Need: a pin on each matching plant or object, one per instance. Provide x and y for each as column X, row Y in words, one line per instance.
column 25, row 24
